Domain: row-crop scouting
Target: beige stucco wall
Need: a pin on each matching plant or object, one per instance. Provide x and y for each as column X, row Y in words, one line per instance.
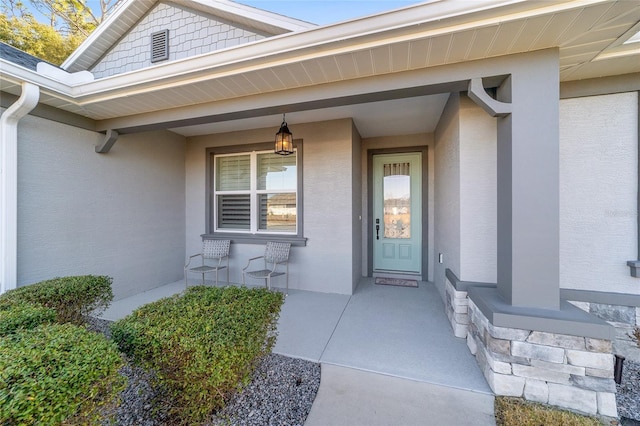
column 119, row 214
column 400, row 141
column 598, row 192
column 326, row 263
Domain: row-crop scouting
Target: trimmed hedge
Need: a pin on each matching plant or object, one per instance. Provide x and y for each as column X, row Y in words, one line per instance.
column 71, row 297
column 57, row 373
column 203, row 345
column 23, row 316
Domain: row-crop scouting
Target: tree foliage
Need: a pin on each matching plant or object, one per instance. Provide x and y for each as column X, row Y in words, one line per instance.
column 65, row 24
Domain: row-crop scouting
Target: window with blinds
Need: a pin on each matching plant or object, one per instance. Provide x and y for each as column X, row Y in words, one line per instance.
column 256, row 192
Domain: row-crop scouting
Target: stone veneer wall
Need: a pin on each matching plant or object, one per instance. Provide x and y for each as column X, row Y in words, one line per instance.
column 624, row 319
column 457, row 308
column 566, row 371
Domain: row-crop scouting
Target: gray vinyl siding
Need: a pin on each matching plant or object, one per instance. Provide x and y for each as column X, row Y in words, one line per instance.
column 190, row 34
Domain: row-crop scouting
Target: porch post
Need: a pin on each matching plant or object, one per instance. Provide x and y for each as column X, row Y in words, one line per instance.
column 528, row 186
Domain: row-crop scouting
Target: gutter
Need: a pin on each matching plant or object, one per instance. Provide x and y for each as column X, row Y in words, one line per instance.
column 9, row 184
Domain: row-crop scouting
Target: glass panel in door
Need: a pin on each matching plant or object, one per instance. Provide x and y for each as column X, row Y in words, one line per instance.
column 397, row 204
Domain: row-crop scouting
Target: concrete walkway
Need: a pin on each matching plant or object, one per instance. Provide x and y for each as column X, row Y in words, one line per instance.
column 353, row 397
column 387, row 354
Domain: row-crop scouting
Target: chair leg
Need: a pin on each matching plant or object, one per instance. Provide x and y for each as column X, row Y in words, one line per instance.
column 185, row 279
column 203, row 278
column 242, row 278
column 268, row 283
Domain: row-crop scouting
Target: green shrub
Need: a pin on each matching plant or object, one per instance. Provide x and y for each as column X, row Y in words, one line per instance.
column 203, row 345
column 71, row 297
column 22, row 315
column 57, row 373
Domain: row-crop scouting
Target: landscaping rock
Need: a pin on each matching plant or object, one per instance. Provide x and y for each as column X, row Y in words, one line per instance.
column 281, row 392
column 628, row 391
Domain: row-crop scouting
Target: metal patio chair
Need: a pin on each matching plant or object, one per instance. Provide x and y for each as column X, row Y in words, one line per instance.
column 275, row 254
column 212, row 250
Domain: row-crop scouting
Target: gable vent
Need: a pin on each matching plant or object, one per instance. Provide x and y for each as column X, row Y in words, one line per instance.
column 160, row 46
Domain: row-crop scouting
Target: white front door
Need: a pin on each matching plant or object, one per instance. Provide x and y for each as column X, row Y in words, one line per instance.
column 397, row 208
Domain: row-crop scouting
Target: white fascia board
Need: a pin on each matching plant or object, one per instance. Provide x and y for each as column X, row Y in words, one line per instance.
column 272, row 19
column 56, row 73
column 17, row 74
column 115, row 15
column 364, row 33
column 255, row 14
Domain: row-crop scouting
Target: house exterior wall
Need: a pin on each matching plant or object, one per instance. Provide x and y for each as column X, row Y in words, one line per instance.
column 325, row 264
column 387, row 142
column 598, row 192
column 357, row 212
column 478, row 196
column 447, row 192
column 119, row 214
column 190, row 33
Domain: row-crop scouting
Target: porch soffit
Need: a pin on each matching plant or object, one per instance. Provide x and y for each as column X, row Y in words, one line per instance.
column 361, row 50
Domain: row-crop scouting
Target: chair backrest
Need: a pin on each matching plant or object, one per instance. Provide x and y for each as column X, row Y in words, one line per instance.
column 276, row 252
column 213, row 249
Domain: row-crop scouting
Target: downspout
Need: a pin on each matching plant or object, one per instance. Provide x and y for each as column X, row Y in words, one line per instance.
column 9, row 184
column 634, row 265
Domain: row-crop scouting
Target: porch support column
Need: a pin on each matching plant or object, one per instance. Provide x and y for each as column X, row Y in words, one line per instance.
column 9, row 184
column 528, row 214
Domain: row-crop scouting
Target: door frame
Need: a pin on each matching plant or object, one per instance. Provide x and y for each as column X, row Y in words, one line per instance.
column 425, row 203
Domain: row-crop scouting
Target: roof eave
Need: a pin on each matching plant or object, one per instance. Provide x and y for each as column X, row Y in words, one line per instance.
column 137, row 8
column 334, row 39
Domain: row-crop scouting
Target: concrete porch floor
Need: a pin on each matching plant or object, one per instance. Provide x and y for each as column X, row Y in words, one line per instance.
column 382, row 339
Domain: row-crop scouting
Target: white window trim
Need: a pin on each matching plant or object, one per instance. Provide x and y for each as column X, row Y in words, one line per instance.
column 246, row 237
column 253, row 193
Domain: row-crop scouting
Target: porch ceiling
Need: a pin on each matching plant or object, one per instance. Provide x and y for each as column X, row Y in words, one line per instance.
column 326, row 62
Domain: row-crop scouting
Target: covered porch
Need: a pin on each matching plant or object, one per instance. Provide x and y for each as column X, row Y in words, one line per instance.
column 393, row 331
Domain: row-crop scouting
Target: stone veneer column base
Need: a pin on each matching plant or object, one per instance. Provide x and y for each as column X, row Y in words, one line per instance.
column 457, row 307
column 567, row 371
column 457, row 302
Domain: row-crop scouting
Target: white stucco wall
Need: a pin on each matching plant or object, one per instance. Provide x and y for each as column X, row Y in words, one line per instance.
column 598, row 192
column 447, row 192
column 190, row 33
column 325, row 264
column 478, row 194
column 119, row 214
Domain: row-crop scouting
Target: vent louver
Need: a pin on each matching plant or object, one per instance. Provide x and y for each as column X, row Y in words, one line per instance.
column 160, row 46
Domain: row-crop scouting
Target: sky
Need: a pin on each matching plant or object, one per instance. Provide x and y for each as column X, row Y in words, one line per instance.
column 316, row 11
column 327, row 11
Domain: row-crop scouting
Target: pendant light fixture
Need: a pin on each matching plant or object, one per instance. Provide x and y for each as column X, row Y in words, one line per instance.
column 284, row 139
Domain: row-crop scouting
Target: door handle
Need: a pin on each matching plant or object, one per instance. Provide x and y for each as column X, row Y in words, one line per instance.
column 377, row 229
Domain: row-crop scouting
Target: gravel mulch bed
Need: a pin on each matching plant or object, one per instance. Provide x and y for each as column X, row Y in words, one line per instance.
column 281, row 392
column 628, row 393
